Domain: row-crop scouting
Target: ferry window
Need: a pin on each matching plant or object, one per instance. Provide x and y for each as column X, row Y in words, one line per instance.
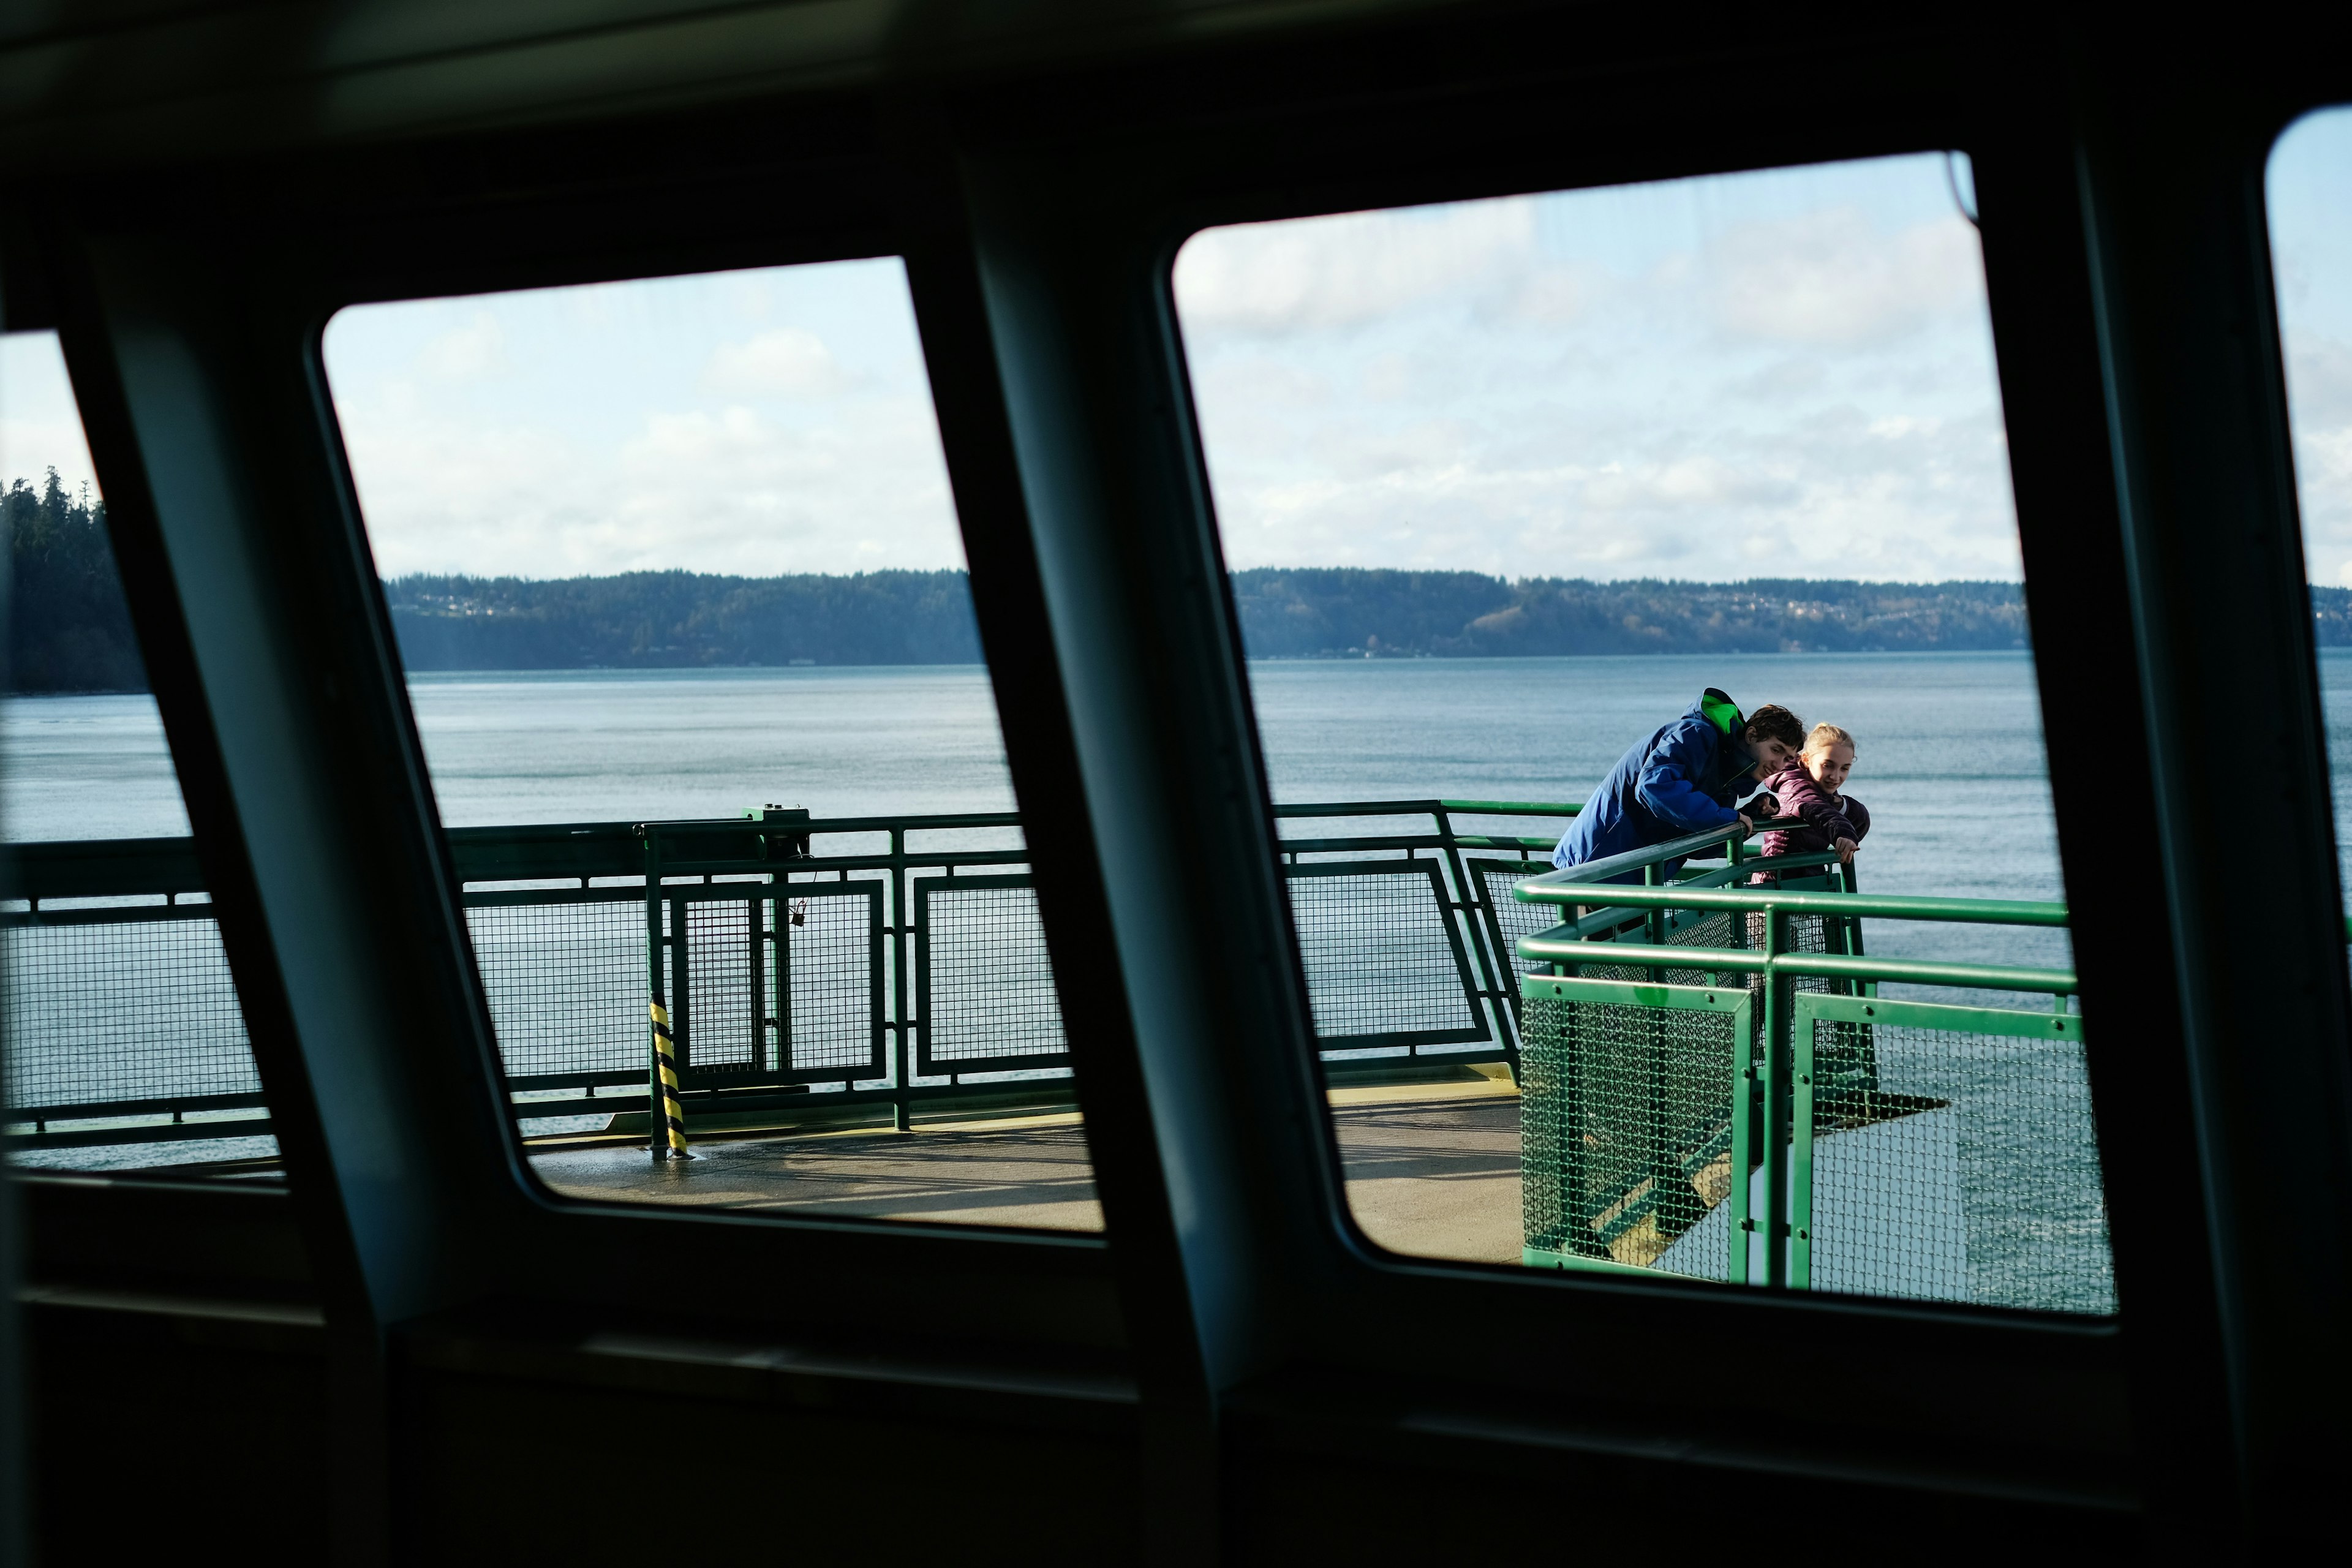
column 127, row 1048
column 2311, row 251
column 1563, row 529
column 680, row 592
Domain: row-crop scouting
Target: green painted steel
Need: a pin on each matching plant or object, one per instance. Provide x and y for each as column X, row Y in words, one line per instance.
column 2009, row 1206
column 2021, row 1210
column 1844, row 906
column 1503, row 808
column 1630, row 1121
column 1827, row 966
column 746, row 904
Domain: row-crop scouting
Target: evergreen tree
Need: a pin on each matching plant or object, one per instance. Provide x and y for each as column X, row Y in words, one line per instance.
column 69, row 629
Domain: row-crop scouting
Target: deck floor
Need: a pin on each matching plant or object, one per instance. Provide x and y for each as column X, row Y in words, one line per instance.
column 1432, row 1169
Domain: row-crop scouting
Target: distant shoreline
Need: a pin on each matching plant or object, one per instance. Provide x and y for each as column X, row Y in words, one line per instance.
column 81, row 642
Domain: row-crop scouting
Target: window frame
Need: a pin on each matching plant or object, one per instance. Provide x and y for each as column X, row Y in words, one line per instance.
column 2097, row 1324
column 1278, row 1316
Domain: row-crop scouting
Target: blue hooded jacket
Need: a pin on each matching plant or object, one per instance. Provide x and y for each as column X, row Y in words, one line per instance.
column 1681, row 780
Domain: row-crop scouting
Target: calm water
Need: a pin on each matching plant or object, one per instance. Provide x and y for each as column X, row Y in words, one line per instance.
column 1950, row 750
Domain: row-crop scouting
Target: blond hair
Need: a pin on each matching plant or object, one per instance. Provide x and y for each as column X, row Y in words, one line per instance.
column 1824, row 736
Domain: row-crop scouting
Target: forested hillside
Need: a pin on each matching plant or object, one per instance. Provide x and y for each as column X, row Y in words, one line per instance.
column 69, row 630
column 671, row 619
column 1327, row 612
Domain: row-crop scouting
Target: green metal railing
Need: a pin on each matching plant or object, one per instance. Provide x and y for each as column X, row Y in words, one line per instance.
column 1749, row 1106
column 882, row 959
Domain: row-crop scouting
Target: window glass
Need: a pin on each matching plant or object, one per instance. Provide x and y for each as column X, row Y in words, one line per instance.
column 2311, row 251
column 678, row 582
column 127, row 1048
column 1556, row 525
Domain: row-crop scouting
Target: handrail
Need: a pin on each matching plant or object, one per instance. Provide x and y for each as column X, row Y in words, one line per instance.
column 1883, row 905
column 1830, row 966
column 1610, row 866
column 1511, row 808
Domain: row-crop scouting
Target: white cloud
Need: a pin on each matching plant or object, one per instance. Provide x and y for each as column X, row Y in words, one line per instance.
column 1709, row 379
column 1830, row 277
column 789, row 362
column 1328, row 272
column 724, row 489
column 759, row 423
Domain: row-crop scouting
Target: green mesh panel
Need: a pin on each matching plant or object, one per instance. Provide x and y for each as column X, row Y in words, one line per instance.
column 1957, row 1166
column 1625, row 1128
column 1694, row 929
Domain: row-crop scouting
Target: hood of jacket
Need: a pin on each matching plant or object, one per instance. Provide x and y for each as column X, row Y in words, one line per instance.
column 1715, row 710
column 1718, row 709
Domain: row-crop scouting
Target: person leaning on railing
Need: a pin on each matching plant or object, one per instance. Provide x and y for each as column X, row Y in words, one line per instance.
column 1684, row 778
column 1820, row 816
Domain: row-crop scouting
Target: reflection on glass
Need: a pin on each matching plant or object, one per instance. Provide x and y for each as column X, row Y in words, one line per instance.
column 127, row 1044
column 680, row 593
column 2311, row 250
column 1538, row 508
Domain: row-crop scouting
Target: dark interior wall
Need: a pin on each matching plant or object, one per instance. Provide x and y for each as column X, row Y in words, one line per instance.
column 157, row 1424
column 511, row 1464
column 176, row 1373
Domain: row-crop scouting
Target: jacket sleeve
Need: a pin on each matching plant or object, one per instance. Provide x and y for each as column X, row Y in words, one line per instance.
column 1859, row 814
column 1829, row 822
column 1668, row 786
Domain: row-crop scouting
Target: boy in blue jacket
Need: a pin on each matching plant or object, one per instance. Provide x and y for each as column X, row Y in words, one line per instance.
column 1681, row 780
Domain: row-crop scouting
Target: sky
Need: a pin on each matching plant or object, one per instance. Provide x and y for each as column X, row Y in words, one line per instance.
column 38, row 426
column 757, row 423
column 1786, row 372
column 1781, row 373
column 2311, row 257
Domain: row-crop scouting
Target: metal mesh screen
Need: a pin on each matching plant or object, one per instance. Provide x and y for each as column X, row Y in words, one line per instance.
column 726, row 984
column 1625, row 1128
column 988, row 983
column 566, row 983
column 1957, row 1166
column 112, row 1012
column 1713, row 930
column 1378, row 945
column 1802, row 933
column 1513, row 919
column 827, row 939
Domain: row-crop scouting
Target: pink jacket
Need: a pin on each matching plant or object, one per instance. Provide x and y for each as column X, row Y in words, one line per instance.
column 1827, row 816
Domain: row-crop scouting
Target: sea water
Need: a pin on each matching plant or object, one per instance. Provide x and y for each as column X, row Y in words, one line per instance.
column 1950, row 755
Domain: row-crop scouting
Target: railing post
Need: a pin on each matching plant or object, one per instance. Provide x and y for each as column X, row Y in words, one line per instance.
column 1655, row 925
column 1802, row 1032
column 901, row 948
column 665, row 1119
column 1744, row 1095
column 1774, row 1223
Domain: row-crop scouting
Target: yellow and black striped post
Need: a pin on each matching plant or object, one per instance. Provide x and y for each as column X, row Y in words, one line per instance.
column 670, row 1116
column 667, row 1139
